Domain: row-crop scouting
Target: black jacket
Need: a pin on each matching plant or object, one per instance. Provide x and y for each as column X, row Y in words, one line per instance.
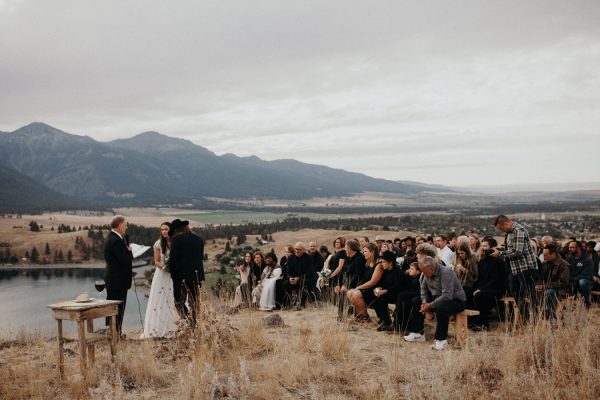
column 118, row 258
column 186, row 260
column 492, row 275
column 301, row 267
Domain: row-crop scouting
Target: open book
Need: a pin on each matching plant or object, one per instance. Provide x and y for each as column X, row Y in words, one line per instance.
column 138, row 249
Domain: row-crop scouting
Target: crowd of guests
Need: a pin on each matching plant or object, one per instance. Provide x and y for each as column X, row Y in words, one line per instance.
column 424, row 277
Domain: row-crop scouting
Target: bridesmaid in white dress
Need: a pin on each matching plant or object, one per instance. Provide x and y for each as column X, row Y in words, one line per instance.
column 269, row 283
column 161, row 314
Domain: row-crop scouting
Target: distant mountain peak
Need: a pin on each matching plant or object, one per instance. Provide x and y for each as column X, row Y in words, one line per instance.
column 152, row 141
column 39, row 128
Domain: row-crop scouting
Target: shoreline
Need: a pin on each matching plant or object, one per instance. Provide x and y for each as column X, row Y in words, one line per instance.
column 34, row 267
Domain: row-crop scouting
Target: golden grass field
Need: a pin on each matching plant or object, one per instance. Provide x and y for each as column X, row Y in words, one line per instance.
column 315, row 357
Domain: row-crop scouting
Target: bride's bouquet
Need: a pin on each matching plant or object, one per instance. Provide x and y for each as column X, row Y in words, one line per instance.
column 323, row 278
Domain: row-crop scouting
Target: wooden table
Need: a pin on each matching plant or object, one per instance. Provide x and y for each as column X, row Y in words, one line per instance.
column 85, row 312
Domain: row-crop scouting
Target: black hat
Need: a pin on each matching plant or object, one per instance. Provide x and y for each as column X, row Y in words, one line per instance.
column 389, row 256
column 176, row 225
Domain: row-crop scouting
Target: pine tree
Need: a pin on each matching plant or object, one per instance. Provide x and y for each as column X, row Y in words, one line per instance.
column 228, row 247
column 70, row 256
column 47, row 249
column 34, row 255
column 61, row 256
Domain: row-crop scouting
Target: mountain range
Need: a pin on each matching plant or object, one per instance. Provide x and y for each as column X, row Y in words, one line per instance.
column 151, row 169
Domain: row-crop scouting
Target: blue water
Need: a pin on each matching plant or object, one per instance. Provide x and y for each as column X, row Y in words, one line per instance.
column 25, row 295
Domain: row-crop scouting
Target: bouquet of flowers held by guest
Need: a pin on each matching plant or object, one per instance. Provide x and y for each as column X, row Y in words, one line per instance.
column 323, row 278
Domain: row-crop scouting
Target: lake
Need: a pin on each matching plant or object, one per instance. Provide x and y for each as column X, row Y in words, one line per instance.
column 24, row 296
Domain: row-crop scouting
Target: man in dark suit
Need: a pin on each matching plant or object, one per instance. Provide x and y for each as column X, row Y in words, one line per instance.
column 118, row 256
column 186, row 263
column 300, row 276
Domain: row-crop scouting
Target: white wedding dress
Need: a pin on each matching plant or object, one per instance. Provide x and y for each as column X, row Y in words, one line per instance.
column 267, row 296
column 161, row 314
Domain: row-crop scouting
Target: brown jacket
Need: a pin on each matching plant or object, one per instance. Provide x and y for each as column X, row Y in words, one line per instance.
column 556, row 275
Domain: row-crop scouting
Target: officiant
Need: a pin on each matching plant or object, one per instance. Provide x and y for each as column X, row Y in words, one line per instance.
column 119, row 269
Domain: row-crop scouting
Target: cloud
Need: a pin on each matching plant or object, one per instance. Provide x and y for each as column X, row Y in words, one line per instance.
column 442, row 91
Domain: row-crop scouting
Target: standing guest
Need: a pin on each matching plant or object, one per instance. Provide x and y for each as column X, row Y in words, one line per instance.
column 582, row 271
column 300, row 275
column 554, row 281
column 407, row 293
column 161, row 314
column 445, row 252
column 441, row 293
column 490, row 286
column 187, row 267
column 370, row 252
column 521, row 260
column 244, row 289
column 419, row 240
column 119, row 269
column 466, row 270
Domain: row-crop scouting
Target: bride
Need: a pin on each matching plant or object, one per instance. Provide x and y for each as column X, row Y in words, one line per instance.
column 161, row 314
column 271, row 274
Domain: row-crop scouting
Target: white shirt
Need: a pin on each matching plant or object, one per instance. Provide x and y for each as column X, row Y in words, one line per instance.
column 448, row 257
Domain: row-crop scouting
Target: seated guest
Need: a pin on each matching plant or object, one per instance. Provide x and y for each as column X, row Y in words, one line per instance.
column 317, row 260
column 324, row 252
column 381, row 290
column 300, row 277
column 258, row 270
column 270, row 290
column 474, row 243
column 442, row 293
column 406, row 294
column 426, row 249
column 582, row 271
column 466, row 270
column 445, row 252
column 489, row 287
column 363, row 241
column 351, row 273
column 409, row 258
column 554, row 281
column 370, row 252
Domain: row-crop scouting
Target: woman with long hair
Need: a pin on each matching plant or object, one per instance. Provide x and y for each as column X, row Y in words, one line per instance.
column 370, row 251
column 161, row 314
column 244, row 290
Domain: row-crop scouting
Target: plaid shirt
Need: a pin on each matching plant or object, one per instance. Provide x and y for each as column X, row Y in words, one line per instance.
column 518, row 250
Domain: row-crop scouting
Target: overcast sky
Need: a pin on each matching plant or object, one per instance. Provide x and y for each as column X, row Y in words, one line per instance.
column 450, row 92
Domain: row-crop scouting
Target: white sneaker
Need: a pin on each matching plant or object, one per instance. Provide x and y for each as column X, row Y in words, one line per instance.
column 414, row 337
column 440, row 345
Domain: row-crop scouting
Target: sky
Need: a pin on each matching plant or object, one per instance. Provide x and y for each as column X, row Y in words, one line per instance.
column 448, row 92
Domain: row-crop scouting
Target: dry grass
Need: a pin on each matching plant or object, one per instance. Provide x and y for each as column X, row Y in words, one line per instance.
column 314, row 357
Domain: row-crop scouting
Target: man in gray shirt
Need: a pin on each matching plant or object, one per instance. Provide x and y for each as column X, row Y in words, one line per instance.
column 442, row 293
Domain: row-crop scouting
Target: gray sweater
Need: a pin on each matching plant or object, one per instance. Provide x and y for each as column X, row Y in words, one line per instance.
column 442, row 286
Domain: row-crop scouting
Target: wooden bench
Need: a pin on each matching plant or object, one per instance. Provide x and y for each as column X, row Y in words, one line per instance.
column 594, row 293
column 462, row 325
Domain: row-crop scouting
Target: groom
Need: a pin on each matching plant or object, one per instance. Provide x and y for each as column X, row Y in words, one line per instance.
column 186, row 263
